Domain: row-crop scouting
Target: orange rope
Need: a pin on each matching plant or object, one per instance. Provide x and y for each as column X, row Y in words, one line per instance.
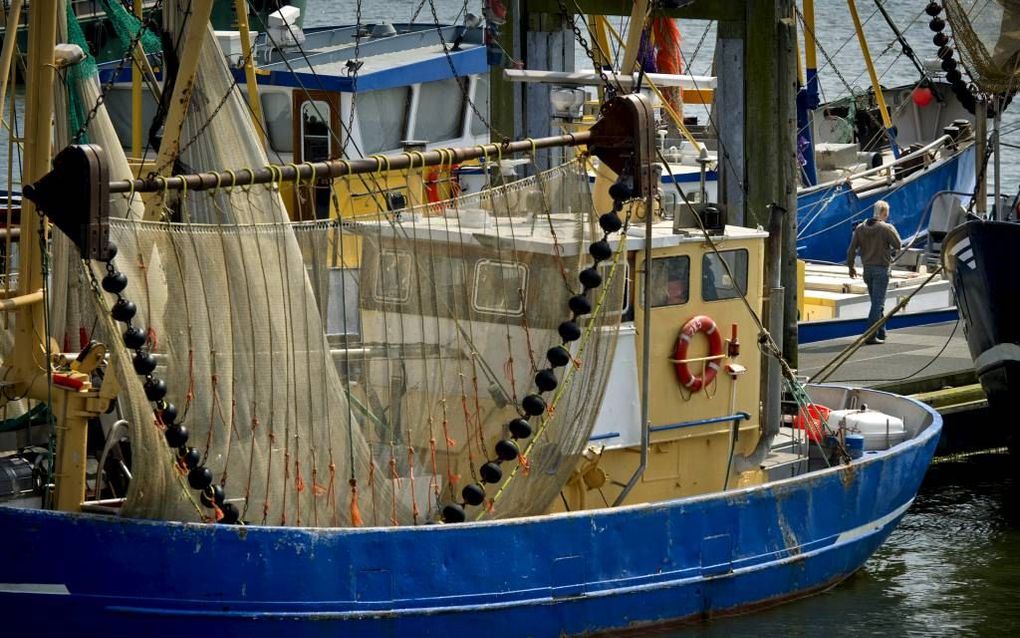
column 410, row 471
column 396, row 482
column 355, row 511
column 371, row 485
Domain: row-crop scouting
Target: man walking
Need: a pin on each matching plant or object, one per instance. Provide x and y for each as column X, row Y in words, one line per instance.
column 877, row 240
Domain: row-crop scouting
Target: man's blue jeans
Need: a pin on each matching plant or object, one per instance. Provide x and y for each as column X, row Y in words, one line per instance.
column 876, row 278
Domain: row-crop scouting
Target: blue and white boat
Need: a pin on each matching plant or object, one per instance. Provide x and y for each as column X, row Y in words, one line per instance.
column 467, row 415
column 577, row 573
column 430, row 84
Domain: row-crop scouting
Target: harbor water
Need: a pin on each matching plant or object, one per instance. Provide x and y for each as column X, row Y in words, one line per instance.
column 952, row 567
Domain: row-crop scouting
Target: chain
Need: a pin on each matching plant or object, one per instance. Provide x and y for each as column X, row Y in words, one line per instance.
column 818, row 43
column 453, row 70
column 569, row 17
column 116, row 73
column 357, row 65
column 697, row 49
column 199, row 132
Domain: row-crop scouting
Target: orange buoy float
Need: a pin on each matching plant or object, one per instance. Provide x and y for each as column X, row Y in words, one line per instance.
column 705, row 325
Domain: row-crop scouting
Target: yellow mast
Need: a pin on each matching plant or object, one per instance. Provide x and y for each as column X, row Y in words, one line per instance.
column 73, row 401
column 169, row 148
column 136, row 91
column 13, row 19
column 810, row 48
column 241, row 8
column 29, row 323
column 879, row 97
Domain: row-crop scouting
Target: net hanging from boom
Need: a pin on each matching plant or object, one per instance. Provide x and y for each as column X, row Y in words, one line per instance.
column 987, row 33
column 336, row 373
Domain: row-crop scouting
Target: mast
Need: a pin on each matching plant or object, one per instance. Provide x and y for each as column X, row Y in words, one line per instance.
column 997, row 149
column 136, row 91
column 29, row 323
column 169, row 148
column 808, row 98
column 241, row 8
column 13, row 18
column 883, row 109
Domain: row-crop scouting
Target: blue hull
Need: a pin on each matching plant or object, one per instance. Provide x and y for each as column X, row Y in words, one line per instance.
column 825, row 216
column 569, row 574
column 815, row 331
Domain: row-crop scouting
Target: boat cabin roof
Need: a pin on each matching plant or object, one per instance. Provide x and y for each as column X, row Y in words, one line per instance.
column 480, row 228
column 414, row 54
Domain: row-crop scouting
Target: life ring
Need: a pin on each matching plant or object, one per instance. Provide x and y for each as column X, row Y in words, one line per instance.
column 432, row 180
column 706, row 325
column 432, row 187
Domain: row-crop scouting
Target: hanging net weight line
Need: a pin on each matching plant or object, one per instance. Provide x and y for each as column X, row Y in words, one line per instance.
column 182, row 245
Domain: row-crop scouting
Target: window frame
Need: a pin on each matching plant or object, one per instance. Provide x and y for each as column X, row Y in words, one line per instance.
column 738, row 293
column 476, row 287
column 687, row 287
column 402, row 258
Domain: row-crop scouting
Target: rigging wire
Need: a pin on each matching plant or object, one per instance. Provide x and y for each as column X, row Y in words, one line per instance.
column 907, row 49
column 942, row 350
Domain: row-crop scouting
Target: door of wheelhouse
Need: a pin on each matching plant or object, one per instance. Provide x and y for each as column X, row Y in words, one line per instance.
column 316, row 138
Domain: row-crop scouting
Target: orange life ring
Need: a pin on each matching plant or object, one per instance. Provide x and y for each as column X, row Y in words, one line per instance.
column 706, row 325
column 432, row 180
column 432, row 187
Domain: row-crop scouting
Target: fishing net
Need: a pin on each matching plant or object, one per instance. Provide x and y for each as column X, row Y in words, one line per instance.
column 348, row 372
column 987, row 33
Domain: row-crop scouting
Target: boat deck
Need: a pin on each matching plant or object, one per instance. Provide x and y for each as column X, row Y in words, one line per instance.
column 900, row 359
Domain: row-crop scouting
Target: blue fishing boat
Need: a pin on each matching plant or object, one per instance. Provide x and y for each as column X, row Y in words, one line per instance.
column 507, row 411
column 577, row 573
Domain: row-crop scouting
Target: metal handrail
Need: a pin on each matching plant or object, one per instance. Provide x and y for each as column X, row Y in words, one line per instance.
column 934, row 145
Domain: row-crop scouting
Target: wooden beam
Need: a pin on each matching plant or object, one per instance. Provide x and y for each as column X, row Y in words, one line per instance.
column 29, row 325
column 503, row 95
column 787, row 82
column 729, row 119
column 700, row 10
column 761, row 66
column 635, row 29
column 195, row 30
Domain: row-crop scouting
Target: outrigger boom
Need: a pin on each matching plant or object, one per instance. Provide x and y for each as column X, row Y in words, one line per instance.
column 340, row 168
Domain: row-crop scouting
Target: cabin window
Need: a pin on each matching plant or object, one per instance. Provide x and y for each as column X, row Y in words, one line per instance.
column 719, row 282
column 276, row 107
column 481, row 102
column 382, row 118
column 670, row 281
column 499, row 287
column 315, row 119
column 393, row 276
column 440, row 110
